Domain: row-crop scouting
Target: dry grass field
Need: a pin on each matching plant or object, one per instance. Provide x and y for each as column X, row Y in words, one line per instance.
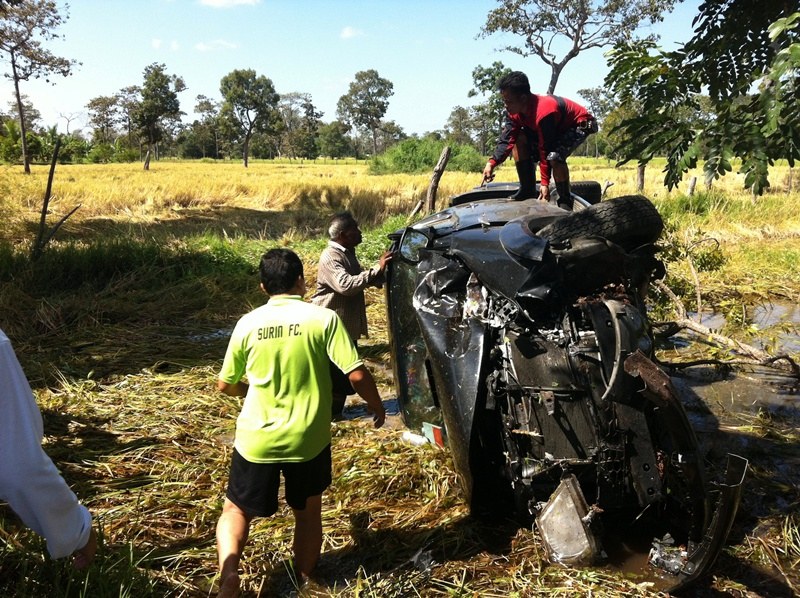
column 121, row 326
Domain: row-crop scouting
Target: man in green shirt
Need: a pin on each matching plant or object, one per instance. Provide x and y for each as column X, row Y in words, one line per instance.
column 283, row 350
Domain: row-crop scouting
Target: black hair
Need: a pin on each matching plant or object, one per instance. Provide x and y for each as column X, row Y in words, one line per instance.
column 280, row 269
column 515, row 82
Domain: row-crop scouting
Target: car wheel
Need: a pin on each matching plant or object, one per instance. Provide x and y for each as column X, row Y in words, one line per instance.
column 628, row 221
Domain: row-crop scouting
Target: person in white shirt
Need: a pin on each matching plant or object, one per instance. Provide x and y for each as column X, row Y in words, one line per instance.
column 29, row 481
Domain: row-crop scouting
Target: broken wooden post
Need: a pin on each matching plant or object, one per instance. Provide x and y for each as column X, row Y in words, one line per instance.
column 43, row 236
column 430, row 200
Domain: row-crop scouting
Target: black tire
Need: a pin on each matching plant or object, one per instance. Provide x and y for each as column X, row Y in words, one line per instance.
column 588, row 190
column 629, row 221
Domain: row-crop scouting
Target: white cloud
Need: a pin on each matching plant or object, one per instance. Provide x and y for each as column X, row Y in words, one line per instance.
column 229, row 3
column 217, row 44
column 157, row 44
column 350, row 32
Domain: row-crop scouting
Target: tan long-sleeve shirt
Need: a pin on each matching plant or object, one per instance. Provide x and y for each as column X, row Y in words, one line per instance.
column 340, row 286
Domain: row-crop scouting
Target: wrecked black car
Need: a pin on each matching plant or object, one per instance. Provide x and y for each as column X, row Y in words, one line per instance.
column 519, row 333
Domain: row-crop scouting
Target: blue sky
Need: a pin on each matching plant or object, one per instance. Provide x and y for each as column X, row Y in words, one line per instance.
column 427, row 49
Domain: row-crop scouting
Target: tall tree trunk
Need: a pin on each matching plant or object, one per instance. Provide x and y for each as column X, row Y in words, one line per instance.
column 551, row 87
column 23, row 133
column 640, row 178
column 246, row 150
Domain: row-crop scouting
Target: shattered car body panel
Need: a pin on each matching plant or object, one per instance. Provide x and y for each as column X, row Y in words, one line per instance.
column 521, row 329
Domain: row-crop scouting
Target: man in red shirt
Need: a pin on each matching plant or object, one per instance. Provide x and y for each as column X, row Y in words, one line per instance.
column 550, row 126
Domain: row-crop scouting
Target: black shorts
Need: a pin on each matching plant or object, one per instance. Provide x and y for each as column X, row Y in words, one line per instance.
column 569, row 140
column 253, row 487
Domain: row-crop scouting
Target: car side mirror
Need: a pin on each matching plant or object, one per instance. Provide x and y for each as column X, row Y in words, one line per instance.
column 410, row 244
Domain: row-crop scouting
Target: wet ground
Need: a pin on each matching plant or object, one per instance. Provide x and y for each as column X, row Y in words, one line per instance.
column 731, row 398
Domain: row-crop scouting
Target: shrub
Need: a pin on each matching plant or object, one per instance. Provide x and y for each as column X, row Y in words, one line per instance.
column 101, row 153
column 416, row 156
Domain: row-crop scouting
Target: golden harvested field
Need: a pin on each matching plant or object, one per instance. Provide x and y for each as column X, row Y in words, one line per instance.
column 126, row 189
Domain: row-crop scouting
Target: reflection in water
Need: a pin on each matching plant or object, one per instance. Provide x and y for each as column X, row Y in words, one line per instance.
column 778, row 321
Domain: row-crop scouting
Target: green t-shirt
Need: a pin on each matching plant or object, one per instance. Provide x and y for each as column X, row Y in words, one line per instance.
column 283, row 348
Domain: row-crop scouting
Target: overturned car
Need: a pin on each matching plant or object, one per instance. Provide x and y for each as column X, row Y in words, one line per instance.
column 520, row 330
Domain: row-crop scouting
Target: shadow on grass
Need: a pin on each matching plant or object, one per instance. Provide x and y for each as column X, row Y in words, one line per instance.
column 397, row 560
column 225, row 221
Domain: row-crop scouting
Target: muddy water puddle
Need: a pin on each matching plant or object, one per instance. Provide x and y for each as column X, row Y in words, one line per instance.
column 775, row 325
column 776, row 329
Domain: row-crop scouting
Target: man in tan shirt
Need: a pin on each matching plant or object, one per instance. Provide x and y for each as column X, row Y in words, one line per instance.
column 340, row 286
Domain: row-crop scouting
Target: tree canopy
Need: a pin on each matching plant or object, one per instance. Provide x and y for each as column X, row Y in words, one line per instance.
column 24, row 27
column 746, row 55
column 249, row 102
column 158, row 103
column 545, row 25
column 300, row 122
column 366, row 102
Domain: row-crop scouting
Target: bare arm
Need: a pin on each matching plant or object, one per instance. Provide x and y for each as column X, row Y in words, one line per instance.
column 364, row 385
column 237, row 389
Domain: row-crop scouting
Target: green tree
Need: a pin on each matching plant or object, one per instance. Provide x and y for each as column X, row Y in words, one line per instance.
column 30, row 115
column 460, row 126
column 249, row 104
column 208, row 130
column 600, row 103
column 584, row 24
column 611, row 131
column 129, row 99
column 488, row 114
column 365, row 103
column 10, row 146
column 389, row 135
column 333, row 140
column 751, row 69
column 24, row 27
column 159, row 104
column 300, row 125
column 308, row 146
column 104, row 116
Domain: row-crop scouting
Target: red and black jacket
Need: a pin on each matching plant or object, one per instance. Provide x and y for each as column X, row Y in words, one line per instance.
column 546, row 118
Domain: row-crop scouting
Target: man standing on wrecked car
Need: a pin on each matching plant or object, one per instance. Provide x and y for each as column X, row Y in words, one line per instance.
column 340, row 286
column 283, row 348
column 551, row 125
